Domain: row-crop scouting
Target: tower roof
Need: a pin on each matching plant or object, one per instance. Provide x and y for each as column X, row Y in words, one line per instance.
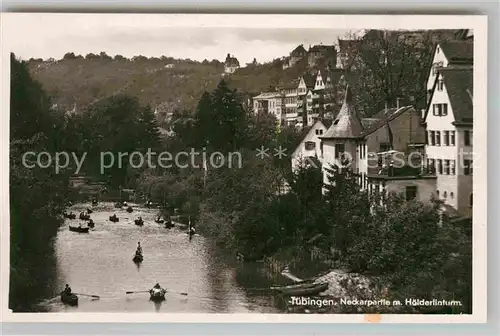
column 347, row 124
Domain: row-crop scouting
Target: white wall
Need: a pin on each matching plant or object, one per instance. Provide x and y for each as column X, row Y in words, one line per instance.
column 438, row 57
column 301, row 153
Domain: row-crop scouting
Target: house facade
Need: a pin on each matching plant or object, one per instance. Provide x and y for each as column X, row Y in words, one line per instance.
column 269, row 103
column 449, row 53
column 308, row 152
column 449, row 125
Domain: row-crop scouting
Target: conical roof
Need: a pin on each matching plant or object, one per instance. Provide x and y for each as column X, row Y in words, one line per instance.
column 347, row 124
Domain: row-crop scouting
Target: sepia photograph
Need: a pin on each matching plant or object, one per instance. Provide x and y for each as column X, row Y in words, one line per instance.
column 244, row 164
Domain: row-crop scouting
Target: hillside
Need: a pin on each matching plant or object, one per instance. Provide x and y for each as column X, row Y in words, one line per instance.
column 179, row 85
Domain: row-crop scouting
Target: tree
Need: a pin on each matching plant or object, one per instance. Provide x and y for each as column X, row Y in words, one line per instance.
column 69, row 56
column 91, row 56
column 390, row 67
column 150, row 135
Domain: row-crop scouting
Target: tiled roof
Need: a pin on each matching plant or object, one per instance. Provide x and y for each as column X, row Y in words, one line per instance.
column 309, row 80
column 384, row 117
column 267, row 95
column 459, row 86
column 347, row 123
column 458, row 51
column 322, row 48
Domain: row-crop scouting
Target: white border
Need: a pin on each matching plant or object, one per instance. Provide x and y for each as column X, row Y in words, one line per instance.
column 476, row 22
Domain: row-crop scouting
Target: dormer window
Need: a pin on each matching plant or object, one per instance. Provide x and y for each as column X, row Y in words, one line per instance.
column 440, row 84
column 336, row 122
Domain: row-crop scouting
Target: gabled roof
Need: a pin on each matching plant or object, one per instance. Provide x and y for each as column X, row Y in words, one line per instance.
column 306, row 131
column 300, row 50
column 347, row 124
column 458, row 83
column 369, row 122
column 458, row 51
column 309, row 80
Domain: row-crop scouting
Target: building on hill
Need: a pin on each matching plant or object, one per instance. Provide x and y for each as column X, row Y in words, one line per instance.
column 321, row 54
column 304, row 98
column 449, row 53
column 231, row 64
column 449, row 123
column 308, row 152
column 288, row 92
column 269, row 103
column 379, row 151
column 296, row 55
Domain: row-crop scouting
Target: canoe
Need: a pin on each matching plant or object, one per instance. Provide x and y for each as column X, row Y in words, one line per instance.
column 305, row 290
column 138, row 258
column 157, row 295
column 129, row 209
column 111, row 218
column 79, row 229
column 69, row 299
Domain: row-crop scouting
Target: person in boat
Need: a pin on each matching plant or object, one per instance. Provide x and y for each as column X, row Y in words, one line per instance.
column 80, row 225
column 66, row 290
column 139, row 249
column 156, row 288
column 91, row 222
column 114, row 216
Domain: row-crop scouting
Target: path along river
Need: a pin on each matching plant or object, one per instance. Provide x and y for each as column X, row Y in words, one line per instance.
column 100, row 263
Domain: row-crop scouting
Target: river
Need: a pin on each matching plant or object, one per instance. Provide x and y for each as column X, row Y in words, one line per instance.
column 100, row 263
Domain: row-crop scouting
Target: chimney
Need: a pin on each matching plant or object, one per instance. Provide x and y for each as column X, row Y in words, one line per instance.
column 397, row 103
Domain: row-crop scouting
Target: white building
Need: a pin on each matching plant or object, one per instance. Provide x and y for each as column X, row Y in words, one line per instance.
column 269, row 102
column 450, row 53
column 449, row 124
column 231, row 64
column 309, row 149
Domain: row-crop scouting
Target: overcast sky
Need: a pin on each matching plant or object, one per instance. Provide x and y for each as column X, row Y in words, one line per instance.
column 52, row 35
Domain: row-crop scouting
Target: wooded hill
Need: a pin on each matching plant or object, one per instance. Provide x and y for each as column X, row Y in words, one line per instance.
column 153, row 81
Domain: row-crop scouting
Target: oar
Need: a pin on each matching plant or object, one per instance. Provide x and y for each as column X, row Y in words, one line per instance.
column 133, row 292
column 177, row 293
column 94, row 296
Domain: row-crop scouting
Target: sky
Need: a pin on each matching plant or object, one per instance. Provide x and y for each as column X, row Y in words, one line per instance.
column 178, row 36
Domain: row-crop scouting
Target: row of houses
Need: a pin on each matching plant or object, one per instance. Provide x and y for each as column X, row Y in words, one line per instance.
column 420, row 154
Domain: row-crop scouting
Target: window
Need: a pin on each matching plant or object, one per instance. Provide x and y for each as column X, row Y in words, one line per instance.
column 440, row 85
column 440, row 109
column 452, row 167
column 432, row 138
column 438, row 138
column 446, row 167
column 336, row 122
column 470, row 200
column 467, row 167
column 310, row 145
column 446, row 138
column 339, row 149
column 445, row 194
column 467, row 138
column 321, row 148
column 452, row 138
column 439, row 166
column 437, row 193
column 411, row 193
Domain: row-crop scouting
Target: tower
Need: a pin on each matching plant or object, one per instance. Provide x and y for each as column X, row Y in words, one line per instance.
column 341, row 139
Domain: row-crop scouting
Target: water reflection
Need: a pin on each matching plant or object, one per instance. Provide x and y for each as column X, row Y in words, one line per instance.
column 100, row 263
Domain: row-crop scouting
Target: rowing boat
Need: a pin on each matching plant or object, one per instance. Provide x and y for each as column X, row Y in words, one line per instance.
column 301, row 284
column 305, row 289
column 138, row 258
column 79, row 229
column 69, row 299
column 157, row 294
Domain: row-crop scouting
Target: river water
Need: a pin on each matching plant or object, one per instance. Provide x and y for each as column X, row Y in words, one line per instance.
column 100, row 263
